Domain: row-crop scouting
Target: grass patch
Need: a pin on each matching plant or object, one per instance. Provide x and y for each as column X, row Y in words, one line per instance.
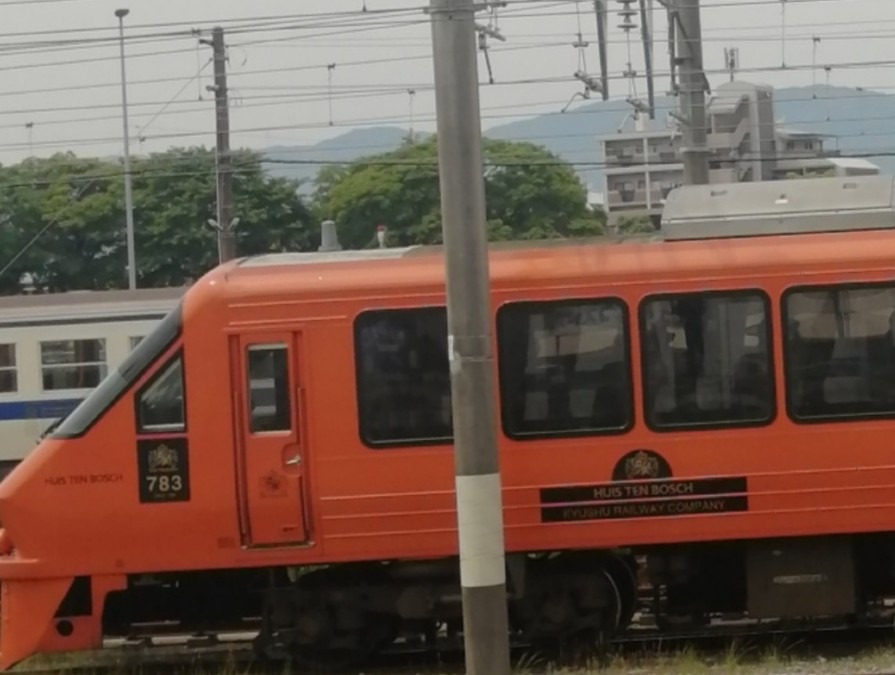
column 781, row 657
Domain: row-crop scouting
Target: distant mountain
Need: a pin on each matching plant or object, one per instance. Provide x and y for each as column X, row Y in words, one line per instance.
column 862, row 120
column 343, row 148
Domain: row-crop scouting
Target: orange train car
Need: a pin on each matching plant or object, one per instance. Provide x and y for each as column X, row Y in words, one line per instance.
column 716, row 414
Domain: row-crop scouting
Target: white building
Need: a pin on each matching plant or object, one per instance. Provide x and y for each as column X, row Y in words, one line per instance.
column 745, row 144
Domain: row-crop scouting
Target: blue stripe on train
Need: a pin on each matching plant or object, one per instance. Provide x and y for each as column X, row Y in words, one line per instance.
column 41, row 410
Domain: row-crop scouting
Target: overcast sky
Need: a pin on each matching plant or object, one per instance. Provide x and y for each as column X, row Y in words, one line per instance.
column 378, row 58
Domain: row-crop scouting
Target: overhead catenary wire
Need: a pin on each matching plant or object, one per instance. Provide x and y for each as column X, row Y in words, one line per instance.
column 316, row 93
column 402, row 86
column 189, row 32
column 530, row 8
column 268, row 24
column 275, row 23
column 234, row 25
column 69, row 62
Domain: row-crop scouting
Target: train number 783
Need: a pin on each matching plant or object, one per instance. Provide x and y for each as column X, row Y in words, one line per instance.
column 165, row 483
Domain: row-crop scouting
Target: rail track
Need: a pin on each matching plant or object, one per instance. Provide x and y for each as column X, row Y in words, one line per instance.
column 171, row 654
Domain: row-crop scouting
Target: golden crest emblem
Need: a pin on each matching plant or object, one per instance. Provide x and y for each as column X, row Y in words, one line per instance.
column 642, row 465
column 162, row 458
column 273, row 484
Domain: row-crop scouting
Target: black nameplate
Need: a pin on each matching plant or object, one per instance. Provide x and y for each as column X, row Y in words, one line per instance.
column 164, row 470
column 654, row 489
column 643, row 486
column 657, row 509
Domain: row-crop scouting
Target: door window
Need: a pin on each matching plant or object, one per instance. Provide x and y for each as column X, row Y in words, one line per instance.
column 269, row 400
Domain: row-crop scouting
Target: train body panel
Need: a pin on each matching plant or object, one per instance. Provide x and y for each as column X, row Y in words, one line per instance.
column 279, row 419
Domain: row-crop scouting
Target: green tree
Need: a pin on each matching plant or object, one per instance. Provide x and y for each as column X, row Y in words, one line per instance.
column 75, row 208
column 175, row 195
column 630, row 225
column 68, row 206
column 531, row 194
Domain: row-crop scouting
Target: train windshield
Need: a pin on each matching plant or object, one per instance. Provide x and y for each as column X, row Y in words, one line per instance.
column 118, row 381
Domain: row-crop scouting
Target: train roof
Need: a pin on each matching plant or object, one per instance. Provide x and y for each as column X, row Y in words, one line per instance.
column 836, row 204
column 709, row 232
column 612, row 260
column 148, row 302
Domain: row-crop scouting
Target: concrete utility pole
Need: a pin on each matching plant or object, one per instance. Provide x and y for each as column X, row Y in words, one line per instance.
column 602, row 12
column 128, row 190
column 693, row 85
column 225, row 224
column 477, row 468
column 646, row 32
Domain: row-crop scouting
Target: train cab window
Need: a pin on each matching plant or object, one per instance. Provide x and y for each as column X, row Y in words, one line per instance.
column 160, row 404
column 564, row 368
column 706, row 360
column 8, row 373
column 840, row 352
column 111, row 389
column 269, row 405
column 72, row 364
column 403, row 380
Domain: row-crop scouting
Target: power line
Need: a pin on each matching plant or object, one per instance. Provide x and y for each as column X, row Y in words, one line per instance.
column 357, row 123
column 315, row 93
column 9, row 3
column 882, row 63
column 258, row 21
column 350, row 64
column 343, row 29
column 346, row 19
column 517, row 9
column 421, row 87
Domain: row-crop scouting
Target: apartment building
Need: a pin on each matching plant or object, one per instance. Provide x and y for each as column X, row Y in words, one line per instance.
column 745, row 144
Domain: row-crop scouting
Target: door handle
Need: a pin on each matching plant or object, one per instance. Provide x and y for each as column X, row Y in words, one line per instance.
column 292, row 455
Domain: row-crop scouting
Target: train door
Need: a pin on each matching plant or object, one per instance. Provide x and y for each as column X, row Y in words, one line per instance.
column 272, row 447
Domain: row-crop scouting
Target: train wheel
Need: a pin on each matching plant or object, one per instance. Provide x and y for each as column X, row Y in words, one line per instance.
column 624, row 576
column 338, row 647
column 325, row 625
column 575, row 602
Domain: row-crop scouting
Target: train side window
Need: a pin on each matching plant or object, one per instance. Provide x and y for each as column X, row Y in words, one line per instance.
column 707, row 360
column 269, row 406
column 403, row 380
column 72, row 364
column 160, row 403
column 564, row 368
column 8, row 373
column 840, row 352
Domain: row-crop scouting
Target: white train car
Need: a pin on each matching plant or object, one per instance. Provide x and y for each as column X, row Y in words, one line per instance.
column 54, row 349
